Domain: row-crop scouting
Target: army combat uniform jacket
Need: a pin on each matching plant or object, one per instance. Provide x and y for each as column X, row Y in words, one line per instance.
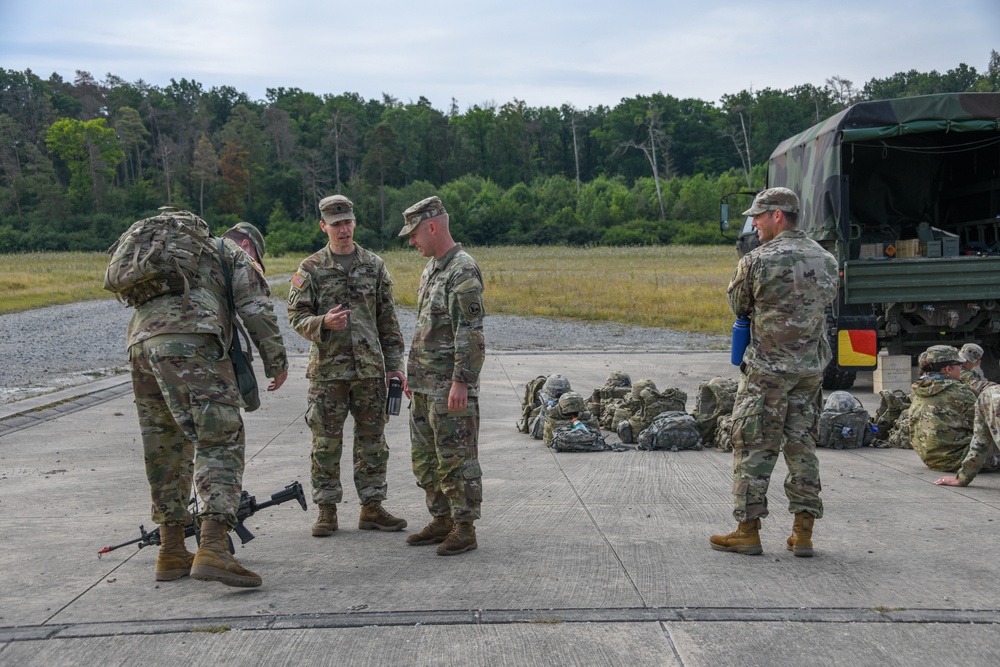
column 207, row 311
column 448, row 342
column 784, row 286
column 372, row 344
column 942, row 411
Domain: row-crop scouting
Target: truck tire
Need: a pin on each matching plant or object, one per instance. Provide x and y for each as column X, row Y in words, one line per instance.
column 834, row 377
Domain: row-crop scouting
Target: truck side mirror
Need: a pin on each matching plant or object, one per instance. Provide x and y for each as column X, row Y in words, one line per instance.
column 724, row 218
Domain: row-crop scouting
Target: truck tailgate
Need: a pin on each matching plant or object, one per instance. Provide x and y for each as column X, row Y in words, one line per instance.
column 922, row 279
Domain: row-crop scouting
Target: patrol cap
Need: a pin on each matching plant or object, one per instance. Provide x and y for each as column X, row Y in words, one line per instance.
column 970, row 352
column 941, row 355
column 774, row 199
column 423, row 209
column 335, row 208
column 253, row 234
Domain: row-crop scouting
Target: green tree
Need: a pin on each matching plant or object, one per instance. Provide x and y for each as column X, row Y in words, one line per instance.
column 91, row 152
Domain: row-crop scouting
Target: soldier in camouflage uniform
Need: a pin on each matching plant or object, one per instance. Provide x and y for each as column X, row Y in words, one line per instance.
column 784, row 286
column 983, row 453
column 972, row 372
column 341, row 300
column 189, row 409
column 942, row 410
column 249, row 238
column 443, row 371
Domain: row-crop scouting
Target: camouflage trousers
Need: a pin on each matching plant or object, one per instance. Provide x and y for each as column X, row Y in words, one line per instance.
column 328, row 405
column 189, row 416
column 776, row 414
column 445, row 453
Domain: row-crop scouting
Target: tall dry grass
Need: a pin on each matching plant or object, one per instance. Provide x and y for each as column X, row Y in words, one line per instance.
column 678, row 287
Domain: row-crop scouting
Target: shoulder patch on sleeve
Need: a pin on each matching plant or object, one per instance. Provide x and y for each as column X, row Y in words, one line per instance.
column 298, row 279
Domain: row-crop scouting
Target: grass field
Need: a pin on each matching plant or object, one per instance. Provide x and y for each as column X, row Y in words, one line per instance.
column 678, row 287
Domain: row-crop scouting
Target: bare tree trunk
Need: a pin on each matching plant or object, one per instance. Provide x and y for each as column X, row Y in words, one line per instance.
column 166, row 169
column 576, row 153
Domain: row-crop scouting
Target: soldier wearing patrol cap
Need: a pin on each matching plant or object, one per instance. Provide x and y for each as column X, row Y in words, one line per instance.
column 249, row 238
column 443, row 373
column 971, row 356
column 341, row 300
column 784, row 286
column 942, row 410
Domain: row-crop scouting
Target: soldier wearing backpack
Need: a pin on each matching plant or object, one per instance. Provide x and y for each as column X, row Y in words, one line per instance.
column 186, row 394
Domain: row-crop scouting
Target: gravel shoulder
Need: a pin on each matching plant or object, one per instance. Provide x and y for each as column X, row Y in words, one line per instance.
column 52, row 348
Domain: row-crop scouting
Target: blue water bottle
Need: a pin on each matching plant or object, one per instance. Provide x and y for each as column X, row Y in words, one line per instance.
column 741, row 338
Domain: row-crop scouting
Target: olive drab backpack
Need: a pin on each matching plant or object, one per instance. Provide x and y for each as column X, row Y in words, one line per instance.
column 671, row 431
column 567, row 415
column 723, row 437
column 158, row 255
column 715, row 399
column 530, row 403
column 892, row 403
column 843, row 424
column 899, row 435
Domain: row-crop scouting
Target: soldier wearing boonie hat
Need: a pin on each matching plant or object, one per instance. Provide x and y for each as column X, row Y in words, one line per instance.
column 341, row 300
column 445, row 360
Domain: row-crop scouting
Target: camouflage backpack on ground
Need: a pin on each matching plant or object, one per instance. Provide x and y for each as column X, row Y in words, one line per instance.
column 723, row 439
column 530, row 402
column 648, row 403
column 157, row 256
column 558, row 421
column 843, row 423
column 715, row 398
column 891, row 404
column 554, row 386
column 671, row 431
column 607, row 399
column 899, row 435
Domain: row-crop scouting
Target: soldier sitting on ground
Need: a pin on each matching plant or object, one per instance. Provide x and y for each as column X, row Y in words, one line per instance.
column 982, row 454
column 941, row 410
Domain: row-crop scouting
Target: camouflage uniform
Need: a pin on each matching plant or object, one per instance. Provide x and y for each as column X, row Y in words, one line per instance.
column 448, row 345
column 983, row 454
column 941, row 414
column 185, row 387
column 785, row 286
column 974, row 381
column 347, row 368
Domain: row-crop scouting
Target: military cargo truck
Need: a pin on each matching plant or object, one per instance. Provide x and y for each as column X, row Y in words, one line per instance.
column 906, row 194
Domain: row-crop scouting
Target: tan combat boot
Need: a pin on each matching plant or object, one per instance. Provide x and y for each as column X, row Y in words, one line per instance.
column 326, row 524
column 373, row 517
column 174, row 560
column 744, row 540
column 800, row 541
column 213, row 562
column 434, row 532
column 462, row 538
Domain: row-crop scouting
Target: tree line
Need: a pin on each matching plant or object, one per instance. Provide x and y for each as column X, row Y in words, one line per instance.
column 80, row 160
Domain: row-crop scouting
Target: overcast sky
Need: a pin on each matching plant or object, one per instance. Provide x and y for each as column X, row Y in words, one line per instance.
column 544, row 52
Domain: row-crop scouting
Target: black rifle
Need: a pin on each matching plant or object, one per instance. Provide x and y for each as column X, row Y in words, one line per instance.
column 248, row 507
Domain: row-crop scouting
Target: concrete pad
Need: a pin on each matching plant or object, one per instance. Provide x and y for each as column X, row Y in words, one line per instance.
column 598, row 558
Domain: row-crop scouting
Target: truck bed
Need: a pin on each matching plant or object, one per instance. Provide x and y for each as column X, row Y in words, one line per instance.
column 921, row 279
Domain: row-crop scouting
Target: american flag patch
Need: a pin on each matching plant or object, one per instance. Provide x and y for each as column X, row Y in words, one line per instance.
column 298, row 280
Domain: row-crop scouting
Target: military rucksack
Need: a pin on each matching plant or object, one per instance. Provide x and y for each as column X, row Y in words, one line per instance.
column 723, row 438
column 715, row 398
column 647, row 403
column 892, row 402
column 561, row 413
column 843, row 423
column 576, row 437
column 671, row 431
column 158, row 255
column 899, row 434
column 530, row 402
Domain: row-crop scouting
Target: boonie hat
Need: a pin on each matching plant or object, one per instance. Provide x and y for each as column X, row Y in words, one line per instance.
column 970, row 352
column 336, row 208
column 423, row 209
column 774, row 199
column 942, row 354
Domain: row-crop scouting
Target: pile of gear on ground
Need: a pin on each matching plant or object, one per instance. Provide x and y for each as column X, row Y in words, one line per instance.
column 645, row 418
